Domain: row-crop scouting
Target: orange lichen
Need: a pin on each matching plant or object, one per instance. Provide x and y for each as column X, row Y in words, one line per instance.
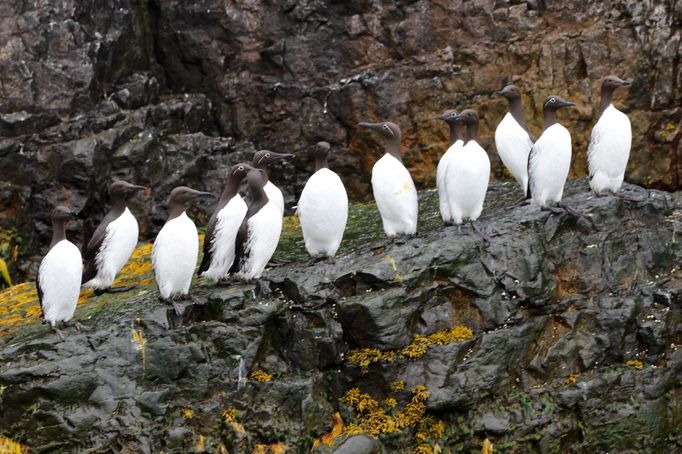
column 336, row 430
column 571, row 379
column 261, row 376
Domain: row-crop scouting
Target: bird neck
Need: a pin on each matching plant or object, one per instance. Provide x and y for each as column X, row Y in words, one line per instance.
column 118, row 204
column 321, row 162
column 231, row 190
column 264, row 168
column 549, row 119
column 606, row 99
column 175, row 210
column 472, row 131
column 393, row 148
column 516, row 110
column 58, row 232
column 258, row 200
column 455, row 130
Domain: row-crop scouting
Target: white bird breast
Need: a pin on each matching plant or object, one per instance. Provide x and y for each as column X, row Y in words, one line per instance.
column 513, row 145
column 549, row 165
column 264, row 229
column 323, row 213
column 609, row 150
column 395, row 195
column 274, row 195
column 229, row 220
column 119, row 242
column 466, row 182
column 443, row 203
column 59, row 278
column 174, row 256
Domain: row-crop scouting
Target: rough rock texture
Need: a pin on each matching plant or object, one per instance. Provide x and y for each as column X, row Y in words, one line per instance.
column 173, row 91
column 558, row 304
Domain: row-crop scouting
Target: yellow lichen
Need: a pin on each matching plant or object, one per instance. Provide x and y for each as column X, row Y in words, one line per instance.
column 390, row 403
column 260, row 449
column 571, row 379
column 363, row 357
column 200, row 444
column 487, row 447
column 397, row 386
column 229, row 414
column 261, row 376
column 278, row 448
column 187, row 413
column 437, row 429
column 423, row 449
column 635, row 364
column 8, row 446
column 336, row 430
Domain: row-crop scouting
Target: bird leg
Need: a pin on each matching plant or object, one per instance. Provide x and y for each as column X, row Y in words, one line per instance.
column 278, row 262
column 58, row 333
column 314, row 260
column 479, row 232
column 263, row 287
column 331, row 260
column 101, row 291
column 228, row 281
column 179, row 308
column 523, row 202
column 77, row 325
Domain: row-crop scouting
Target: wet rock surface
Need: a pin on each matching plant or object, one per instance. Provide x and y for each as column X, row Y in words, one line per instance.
column 163, row 92
column 575, row 346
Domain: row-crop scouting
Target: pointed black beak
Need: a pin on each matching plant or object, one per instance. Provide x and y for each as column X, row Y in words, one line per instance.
column 567, row 104
column 497, row 94
column 625, row 82
column 204, row 194
column 368, row 125
column 440, row 117
column 138, row 188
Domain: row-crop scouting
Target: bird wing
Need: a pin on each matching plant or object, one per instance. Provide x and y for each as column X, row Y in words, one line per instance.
column 40, row 295
column 94, row 246
column 240, row 252
column 208, row 242
column 531, row 156
column 592, row 146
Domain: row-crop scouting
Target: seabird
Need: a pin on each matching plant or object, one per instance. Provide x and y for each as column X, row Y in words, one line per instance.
column 221, row 232
column 59, row 277
column 455, row 146
column 176, row 248
column 113, row 241
column 259, row 233
column 323, row 207
column 610, row 142
column 261, row 160
column 467, row 174
column 392, row 185
column 513, row 140
column 550, row 158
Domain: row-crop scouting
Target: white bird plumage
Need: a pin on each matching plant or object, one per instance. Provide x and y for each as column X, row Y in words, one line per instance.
column 323, row 213
column 174, row 256
column 119, row 242
column 609, row 150
column 513, row 144
column 466, row 182
column 59, row 279
column 229, row 219
column 550, row 161
column 443, row 204
column 275, row 195
column 395, row 195
column 264, row 229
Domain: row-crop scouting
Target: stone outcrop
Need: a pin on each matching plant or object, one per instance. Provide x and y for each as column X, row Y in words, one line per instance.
column 163, row 92
column 575, row 346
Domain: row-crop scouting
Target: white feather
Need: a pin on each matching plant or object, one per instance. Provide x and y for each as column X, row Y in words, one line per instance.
column 513, row 145
column 443, row 203
column 119, row 242
column 228, row 221
column 275, row 195
column 174, row 256
column 264, row 229
column 550, row 161
column 323, row 213
column 59, row 278
column 609, row 151
column 395, row 195
column 466, row 182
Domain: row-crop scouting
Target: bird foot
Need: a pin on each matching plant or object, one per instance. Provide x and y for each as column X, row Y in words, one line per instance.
column 179, row 308
column 228, row 281
column 127, row 288
column 523, row 202
column 263, row 287
column 479, row 232
column 313, row 260
column 278, row 262
column 58, row 333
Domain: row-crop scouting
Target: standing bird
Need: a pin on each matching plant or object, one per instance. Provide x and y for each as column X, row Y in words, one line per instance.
column 259, row 233
column 609, row 148
column 550, row 158
column 59, row 276
column 221, row 232
column 468, row 174
column 261, row 160
column 455, row 146
column 176, row 248
column 113, row 241
column 392, row 185
column 323, row 207
column 513, row 140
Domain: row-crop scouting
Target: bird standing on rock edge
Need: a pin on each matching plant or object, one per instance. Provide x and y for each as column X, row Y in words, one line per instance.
column 323, row 207
column 550, row 158
column 513, row 140
column 455, row 146
column 176, row 248
column 59, row 277
column 261, row 160
column 259, row 233
column 392, row 185
column 609, row 148
column 221, row 233
column 113, row 241
column 468, row 174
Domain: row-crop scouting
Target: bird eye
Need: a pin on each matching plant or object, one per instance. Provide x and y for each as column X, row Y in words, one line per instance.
column 385, row 126
column 552, row 100
column 267, row 155
column 241, row 168
column 453, row 115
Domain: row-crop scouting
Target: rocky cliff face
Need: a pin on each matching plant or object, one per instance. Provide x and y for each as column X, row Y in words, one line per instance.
column 575, row 328
column 174, row 91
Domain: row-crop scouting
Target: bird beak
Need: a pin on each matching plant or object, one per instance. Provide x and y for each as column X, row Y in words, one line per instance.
column 625, row 82
column 440, row 117
column 368, row 125
column 498, row 94
column 282, row 155
column 204, row 194
column 138, row 188
column 567, row 104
